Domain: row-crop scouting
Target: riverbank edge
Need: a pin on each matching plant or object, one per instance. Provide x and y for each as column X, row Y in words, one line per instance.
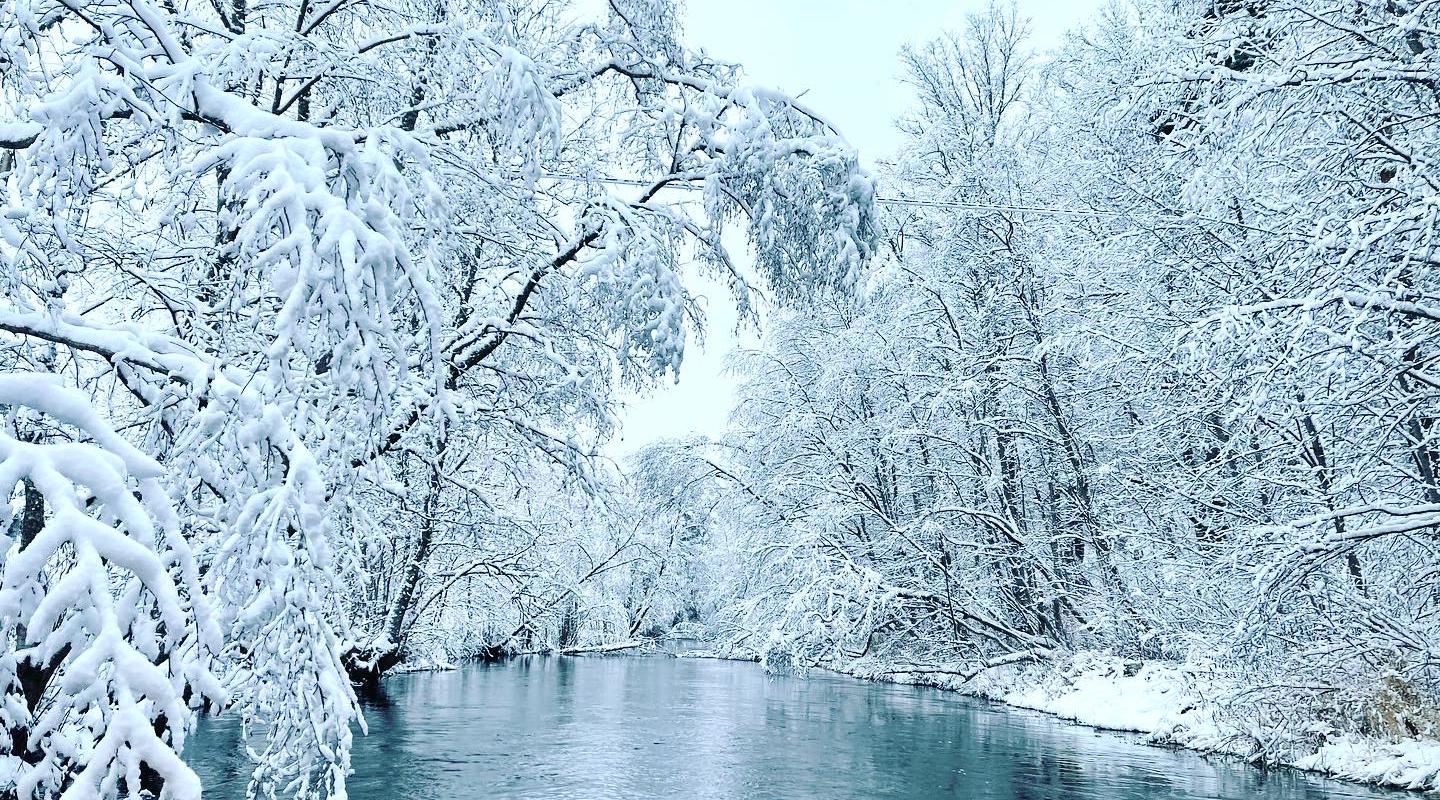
column 1155, row 699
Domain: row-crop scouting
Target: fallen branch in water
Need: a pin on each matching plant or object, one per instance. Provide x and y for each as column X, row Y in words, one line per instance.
column 613, row 647
column 1021, row 657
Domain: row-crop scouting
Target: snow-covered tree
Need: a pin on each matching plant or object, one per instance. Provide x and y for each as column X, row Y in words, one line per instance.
column 340, row 265
column 1159, row 385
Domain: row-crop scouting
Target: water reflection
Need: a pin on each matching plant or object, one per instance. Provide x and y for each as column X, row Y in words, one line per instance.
column 692, row 728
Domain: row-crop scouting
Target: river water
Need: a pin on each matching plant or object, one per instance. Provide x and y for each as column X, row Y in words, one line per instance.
column 659, row 727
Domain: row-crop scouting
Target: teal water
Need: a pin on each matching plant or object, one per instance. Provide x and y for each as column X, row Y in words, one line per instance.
column 659, row 727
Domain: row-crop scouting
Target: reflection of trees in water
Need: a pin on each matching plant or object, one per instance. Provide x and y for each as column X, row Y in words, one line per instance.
column 386, row 766
column 663, row 727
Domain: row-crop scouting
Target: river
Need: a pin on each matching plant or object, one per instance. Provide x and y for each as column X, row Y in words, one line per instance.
column 660, row 727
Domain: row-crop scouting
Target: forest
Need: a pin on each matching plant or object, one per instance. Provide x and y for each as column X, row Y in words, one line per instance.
column 318, row 316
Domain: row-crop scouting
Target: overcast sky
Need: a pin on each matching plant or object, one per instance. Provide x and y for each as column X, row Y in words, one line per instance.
column 842, row 57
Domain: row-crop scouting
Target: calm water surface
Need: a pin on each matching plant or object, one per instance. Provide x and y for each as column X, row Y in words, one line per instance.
column 658, row 727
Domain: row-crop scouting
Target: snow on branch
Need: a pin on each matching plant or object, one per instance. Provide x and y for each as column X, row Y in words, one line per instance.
column 101, row 601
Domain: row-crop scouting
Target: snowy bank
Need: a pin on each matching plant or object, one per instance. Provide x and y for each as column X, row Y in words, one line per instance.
column 1174, row 704
column 1412, row 764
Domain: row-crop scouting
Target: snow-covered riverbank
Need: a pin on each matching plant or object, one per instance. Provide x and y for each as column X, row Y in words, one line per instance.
column 1171, row 705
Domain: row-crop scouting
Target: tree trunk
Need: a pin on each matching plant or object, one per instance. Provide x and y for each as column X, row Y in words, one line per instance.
column 367, row 665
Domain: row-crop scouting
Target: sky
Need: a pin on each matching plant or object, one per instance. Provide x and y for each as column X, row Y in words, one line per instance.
column 842, row 58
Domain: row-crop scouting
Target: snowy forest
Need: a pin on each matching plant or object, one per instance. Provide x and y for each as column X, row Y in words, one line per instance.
column 318, row 317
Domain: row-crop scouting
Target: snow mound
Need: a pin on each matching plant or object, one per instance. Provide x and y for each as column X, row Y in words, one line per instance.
column 1412, row 764
column 1108, row 692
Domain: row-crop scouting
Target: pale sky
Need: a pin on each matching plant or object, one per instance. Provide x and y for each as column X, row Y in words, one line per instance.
column 842, row 57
